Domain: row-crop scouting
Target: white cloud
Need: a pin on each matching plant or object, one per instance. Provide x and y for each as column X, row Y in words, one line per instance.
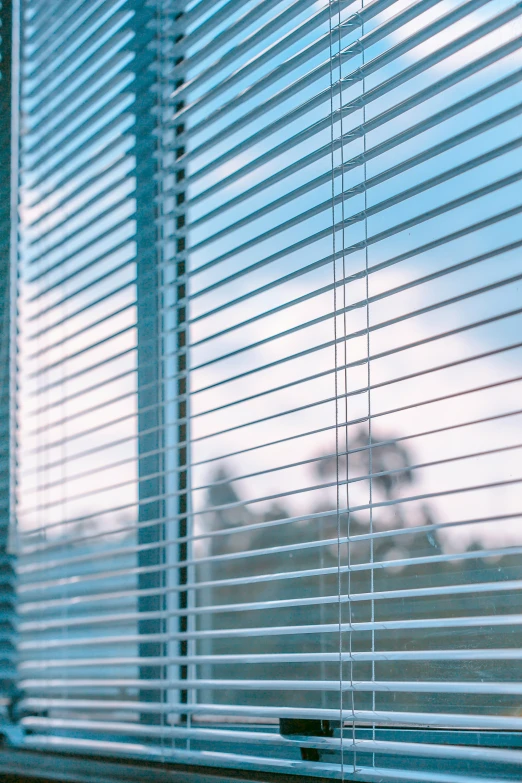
column 471, row 52
column 469, row 440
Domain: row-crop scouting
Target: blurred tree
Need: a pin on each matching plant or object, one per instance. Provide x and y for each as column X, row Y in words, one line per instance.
column 401, row 553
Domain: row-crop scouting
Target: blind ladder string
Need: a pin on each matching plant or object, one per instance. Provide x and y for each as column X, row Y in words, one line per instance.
column 336, row 385
column 345, row 395
column 368, row 370
column 160, row 19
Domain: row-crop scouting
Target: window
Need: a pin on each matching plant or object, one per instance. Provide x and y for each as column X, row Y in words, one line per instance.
column 268, row 391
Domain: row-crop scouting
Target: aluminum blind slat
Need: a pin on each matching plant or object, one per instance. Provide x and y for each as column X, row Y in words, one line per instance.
column 277, row 523
column 356, row 421
column 300, row 574
column 391, row 655
column 346, row 28
column 484, row 587
column 433, row 182
column 290, row 685
column 297, row 464
column 314, row 432
column 404, row 225
column 385, row 718
column 439, row 86
column 382, row 474
column 358, row 74
column 266, row 55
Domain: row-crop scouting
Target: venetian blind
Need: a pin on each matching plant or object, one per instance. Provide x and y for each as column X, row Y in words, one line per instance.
column 269, row 499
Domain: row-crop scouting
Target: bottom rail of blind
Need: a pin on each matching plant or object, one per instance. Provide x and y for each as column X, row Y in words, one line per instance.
column 389, row 755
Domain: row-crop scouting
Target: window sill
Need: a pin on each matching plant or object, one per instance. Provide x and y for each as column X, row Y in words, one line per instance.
column 18, row 766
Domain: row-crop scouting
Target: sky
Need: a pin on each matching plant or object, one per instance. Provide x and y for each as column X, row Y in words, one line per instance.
column 391, row 287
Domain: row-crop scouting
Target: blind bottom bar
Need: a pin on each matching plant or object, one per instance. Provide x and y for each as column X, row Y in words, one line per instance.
column 349, row 745
column 247, row 762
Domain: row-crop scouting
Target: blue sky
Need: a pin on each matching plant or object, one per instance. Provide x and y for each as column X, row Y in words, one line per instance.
column 385, row 281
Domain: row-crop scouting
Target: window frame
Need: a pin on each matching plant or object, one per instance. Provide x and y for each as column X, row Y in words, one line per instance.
column 66, row 766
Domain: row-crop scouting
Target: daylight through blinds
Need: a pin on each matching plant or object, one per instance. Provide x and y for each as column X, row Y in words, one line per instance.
column 269, row 312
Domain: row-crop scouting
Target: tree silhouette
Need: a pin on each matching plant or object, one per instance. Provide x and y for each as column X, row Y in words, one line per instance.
column 299, row 586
